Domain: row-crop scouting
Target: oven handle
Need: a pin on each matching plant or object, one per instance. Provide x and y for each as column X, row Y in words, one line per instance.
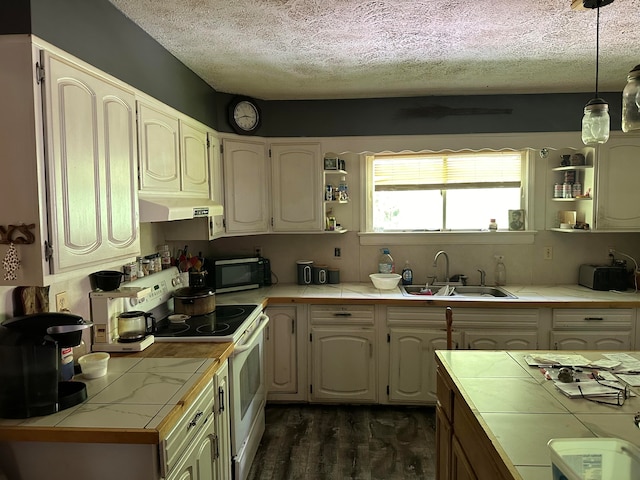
column 264, row 320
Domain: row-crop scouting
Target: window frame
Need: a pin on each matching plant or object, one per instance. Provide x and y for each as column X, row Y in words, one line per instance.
column 527, row 190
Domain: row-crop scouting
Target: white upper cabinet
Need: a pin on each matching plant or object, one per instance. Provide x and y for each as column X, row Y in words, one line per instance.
column 173, row 151
column 92, row 153
column 296, row 180
column 86, row 211
column 246, row 186
column 618, row 196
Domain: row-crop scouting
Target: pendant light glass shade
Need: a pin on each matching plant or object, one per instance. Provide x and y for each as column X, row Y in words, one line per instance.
column 631, row 101
column 595, row 123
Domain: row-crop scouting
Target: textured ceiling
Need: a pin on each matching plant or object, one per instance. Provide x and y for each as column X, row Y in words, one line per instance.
column 321, row 49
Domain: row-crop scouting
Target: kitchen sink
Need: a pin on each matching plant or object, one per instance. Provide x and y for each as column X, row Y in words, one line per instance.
column 458, row 291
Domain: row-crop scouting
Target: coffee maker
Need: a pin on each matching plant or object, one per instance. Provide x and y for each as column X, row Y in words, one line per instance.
column 31, row 371
column 141, row 298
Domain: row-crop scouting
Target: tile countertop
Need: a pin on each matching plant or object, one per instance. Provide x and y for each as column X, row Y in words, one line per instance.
column 521, row 411
column 567, row 296
column 140, row 398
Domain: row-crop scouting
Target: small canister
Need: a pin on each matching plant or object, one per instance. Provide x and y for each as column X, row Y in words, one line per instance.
column 320, row 274
column 334, row 275
column 557, row 190
column 328, row 195
column 567, row 190
column 576, row 189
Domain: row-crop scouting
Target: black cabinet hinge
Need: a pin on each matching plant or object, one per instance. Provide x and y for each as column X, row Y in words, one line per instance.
column 388, row 338
column 311, row 337
column 310, row 388
column 388, row 389
column 39, row 73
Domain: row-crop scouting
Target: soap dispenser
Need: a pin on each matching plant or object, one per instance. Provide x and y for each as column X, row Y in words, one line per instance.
column 501, row 271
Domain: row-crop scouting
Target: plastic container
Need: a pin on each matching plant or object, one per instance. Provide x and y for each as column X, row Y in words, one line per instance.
column 407, row 274
column 493, row 226
column 501, row 271
column 385, row 262
column 594, row 458
column 94, row 365
column 385, row 281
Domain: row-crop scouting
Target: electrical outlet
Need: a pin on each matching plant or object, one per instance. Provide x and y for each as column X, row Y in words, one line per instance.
column 548, row 253
column 62, row 302
column 337, row 252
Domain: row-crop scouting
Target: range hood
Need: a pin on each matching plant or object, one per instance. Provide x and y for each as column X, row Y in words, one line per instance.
column 166, row 208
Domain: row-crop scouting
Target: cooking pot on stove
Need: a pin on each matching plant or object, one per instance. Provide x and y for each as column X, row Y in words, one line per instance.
column 135, row 325
column 194, row 300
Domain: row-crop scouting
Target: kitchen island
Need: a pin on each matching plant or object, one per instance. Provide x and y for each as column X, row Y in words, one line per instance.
column 495, row 415
column 122, row 429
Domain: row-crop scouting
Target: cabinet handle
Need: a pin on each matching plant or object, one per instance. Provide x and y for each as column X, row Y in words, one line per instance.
column 293, row 327
column 195, row 419
column 221, row 399
column 370, row 350
column 342, row 314
column 266, row 333
column 593, row 318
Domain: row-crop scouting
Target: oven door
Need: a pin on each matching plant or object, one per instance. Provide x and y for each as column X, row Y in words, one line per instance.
column 248, row 398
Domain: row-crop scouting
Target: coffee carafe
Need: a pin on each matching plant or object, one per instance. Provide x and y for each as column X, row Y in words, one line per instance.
column 135, row 325
column 30, row 364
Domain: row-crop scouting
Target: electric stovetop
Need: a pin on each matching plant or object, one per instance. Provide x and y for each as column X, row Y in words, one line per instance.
column 223, row 322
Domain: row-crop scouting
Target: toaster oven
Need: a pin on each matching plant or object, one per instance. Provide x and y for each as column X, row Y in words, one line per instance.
column 603, row 277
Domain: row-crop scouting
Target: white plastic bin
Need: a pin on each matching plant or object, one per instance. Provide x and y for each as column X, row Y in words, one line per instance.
column 594, row 459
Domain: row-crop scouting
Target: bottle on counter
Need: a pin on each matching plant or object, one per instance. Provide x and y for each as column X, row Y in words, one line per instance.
column 385, row 262
column 501, row 271
column 493, row 226
column 407, row 274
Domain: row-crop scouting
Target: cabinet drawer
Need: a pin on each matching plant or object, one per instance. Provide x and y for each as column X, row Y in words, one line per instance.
column 593, row 319
column 187, row 427
column 341, row 314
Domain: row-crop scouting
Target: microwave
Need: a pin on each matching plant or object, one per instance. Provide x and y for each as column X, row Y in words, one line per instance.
column 234, row 274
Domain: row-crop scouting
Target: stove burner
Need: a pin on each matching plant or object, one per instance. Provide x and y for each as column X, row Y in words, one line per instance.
column 230, row 312
column 217, row 328
column 176, row 328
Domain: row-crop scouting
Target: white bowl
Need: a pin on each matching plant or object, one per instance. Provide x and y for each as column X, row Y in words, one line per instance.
column 566, row 226
column 385, row 281
column 94, row 365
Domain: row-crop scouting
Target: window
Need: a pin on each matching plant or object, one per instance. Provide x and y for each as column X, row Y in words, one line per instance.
column 443, row 190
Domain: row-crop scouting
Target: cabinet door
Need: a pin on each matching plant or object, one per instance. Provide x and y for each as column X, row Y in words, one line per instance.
column 195, row 159
column 223, row 425
column 158, row 134
column 496, row 340
column 281, row 351
column 296, row 187
column 199, row 460
column 91, row 152
column 460, row 466
column 596, row 340
column 343, row 364
column 246, row 186
column 444, row 436
column 410, row 363
column 618, row 197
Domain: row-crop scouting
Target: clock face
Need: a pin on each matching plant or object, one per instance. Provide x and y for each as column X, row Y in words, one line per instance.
column 246, row 116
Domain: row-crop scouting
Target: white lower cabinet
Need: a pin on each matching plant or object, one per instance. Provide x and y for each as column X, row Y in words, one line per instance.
column 415, row 333
column 592, row 329
column 199, row 460
column 342, row 354
column 286, row 353
column 222, row 412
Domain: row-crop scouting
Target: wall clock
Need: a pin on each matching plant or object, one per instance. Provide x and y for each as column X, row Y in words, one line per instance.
column 244, row 115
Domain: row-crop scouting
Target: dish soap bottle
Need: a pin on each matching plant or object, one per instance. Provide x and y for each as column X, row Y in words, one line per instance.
column 501, row 271
column 407, row 274
column 385, row 262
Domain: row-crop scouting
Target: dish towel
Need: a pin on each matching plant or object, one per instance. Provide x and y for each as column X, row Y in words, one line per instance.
column 11, row 263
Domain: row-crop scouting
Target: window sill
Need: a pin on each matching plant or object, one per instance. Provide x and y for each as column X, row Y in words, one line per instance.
column 501, row 237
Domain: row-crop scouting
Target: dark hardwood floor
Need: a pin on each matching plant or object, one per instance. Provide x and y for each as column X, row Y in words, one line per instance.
column 329, row 442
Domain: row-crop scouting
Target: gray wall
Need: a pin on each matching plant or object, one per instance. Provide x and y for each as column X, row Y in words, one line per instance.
column 95, row 31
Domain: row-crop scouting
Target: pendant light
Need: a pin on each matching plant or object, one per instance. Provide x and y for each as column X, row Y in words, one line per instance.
column 631, row 101
column 596, row 121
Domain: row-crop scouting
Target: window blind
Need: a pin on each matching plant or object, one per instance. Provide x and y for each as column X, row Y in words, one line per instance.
column 456, row 170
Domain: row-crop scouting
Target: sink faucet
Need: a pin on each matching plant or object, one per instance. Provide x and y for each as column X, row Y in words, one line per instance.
column 446, row 264
column 483, row 277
